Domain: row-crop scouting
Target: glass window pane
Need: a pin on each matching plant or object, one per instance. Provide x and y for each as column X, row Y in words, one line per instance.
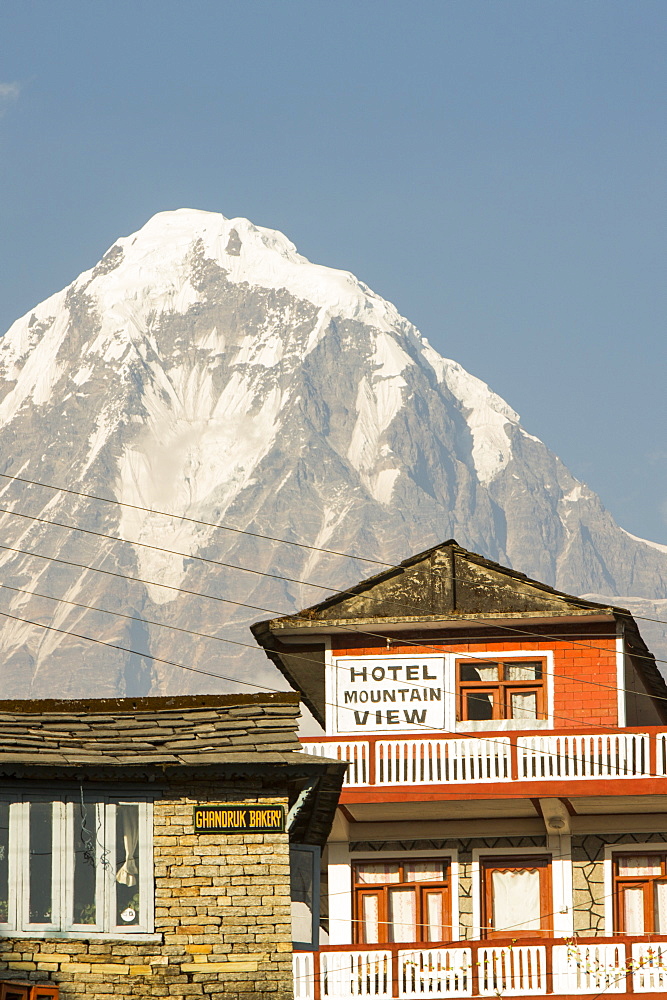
column 639, row 864
column 4, row 862
column 86, row 841
column 633, row 910
column 41, row 863
column 434, row 917
column 302, row 878
column 370, row 914
column 127, row 865
column 402, row 922
column 660, row 907
column 524, row 670
column 423, row 871
column 516, row 901
column 479, row 671
column 378, row 874
column 523, row 705
column 479, row 705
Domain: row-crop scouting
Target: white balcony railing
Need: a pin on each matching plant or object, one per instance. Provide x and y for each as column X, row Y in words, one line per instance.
column 589, row 968
column 591, row 755
column 518, row 970
column 356, row 753
column 497, row 757
column 482, row 969
column 445, row 972
column 649, row 965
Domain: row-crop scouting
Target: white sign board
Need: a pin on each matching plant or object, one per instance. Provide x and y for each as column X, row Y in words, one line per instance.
column 383, row 694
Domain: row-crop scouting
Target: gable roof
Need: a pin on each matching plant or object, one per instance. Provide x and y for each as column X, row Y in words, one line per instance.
column 445, row 586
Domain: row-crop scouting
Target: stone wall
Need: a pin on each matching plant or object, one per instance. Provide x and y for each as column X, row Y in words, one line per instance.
column 222, row 919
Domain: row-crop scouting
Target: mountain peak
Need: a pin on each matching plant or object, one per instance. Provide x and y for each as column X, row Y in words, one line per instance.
column 204, row 368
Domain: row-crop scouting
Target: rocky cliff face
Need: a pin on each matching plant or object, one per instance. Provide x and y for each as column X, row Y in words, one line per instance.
column 203, row 368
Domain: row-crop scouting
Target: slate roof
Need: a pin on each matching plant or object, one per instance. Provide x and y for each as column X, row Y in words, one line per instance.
column 197, row 730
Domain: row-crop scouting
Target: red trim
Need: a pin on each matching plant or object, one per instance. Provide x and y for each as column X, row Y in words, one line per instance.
column 505, row 790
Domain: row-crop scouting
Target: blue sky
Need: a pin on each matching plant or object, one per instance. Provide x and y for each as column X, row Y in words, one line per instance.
column 494, row 167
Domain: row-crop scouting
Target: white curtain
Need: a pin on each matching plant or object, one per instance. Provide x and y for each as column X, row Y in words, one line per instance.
column 402, row 916
column 639, row 864
column 434, row 916
column 129, row 824
column 371, row 918
column 516, row 901
column 633, row 910
column 524, row 706
column 660, row 907
column 522, row 671
column 423, row 871
column 378, row 874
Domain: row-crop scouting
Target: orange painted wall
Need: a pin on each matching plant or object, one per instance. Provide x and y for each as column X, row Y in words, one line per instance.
column 585, row 686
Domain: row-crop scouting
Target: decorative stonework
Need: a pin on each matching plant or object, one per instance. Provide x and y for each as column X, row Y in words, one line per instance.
column 588, row 877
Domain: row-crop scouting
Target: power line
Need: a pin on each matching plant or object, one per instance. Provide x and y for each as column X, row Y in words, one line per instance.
column 132, row 618
column 425, row 726
column 285, row 579
column 194, row 520
column 171, row 552
column 354, row 631
column 255, row 607
column 240, row 531
column 124, row 649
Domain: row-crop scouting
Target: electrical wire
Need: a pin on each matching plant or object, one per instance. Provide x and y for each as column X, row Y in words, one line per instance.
column 423, row 726
column 301, row 583
column 194, row 520
column 243, row 604
column 241, row 531
column 355, row 631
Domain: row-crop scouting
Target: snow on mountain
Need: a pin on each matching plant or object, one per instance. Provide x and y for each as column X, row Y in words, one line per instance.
column 204, row 368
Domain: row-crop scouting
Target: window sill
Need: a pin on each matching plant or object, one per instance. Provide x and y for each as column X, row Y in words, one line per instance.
column 144, row 936
column 501, row 725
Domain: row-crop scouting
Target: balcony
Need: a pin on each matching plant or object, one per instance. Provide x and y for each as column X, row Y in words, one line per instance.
column 589, row 966
column 501, row 757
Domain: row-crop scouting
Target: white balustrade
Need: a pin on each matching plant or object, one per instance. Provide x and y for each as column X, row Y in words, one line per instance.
column 303, row 973
column 353, row 752
column 512, row 970
column 649, row 967
column 433, row 762
column 569, row 755
column 589, row 968
column 347, row 974
column 542, row 757
column 661, row 754
column 435, row 972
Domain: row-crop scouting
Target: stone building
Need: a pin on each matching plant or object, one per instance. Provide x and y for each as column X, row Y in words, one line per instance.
column 145, row 844
column 502, row 829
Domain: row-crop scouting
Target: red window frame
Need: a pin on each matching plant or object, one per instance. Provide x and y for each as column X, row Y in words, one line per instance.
column 502, row 689
column 422, row 889
column 646, row 883
column 513, row 863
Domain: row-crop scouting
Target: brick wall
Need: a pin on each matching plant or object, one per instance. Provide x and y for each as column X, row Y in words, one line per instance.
column 585, row 681
column 222, row 919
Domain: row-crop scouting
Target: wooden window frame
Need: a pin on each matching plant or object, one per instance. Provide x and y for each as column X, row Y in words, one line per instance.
column 512, row 862
column 421, row 889
column 501, row 689
column 645, row 882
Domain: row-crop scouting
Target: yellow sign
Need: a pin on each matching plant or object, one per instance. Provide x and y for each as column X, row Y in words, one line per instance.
column 239, row 819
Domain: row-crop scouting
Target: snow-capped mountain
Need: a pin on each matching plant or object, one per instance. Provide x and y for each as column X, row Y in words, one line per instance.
column 204, row 368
